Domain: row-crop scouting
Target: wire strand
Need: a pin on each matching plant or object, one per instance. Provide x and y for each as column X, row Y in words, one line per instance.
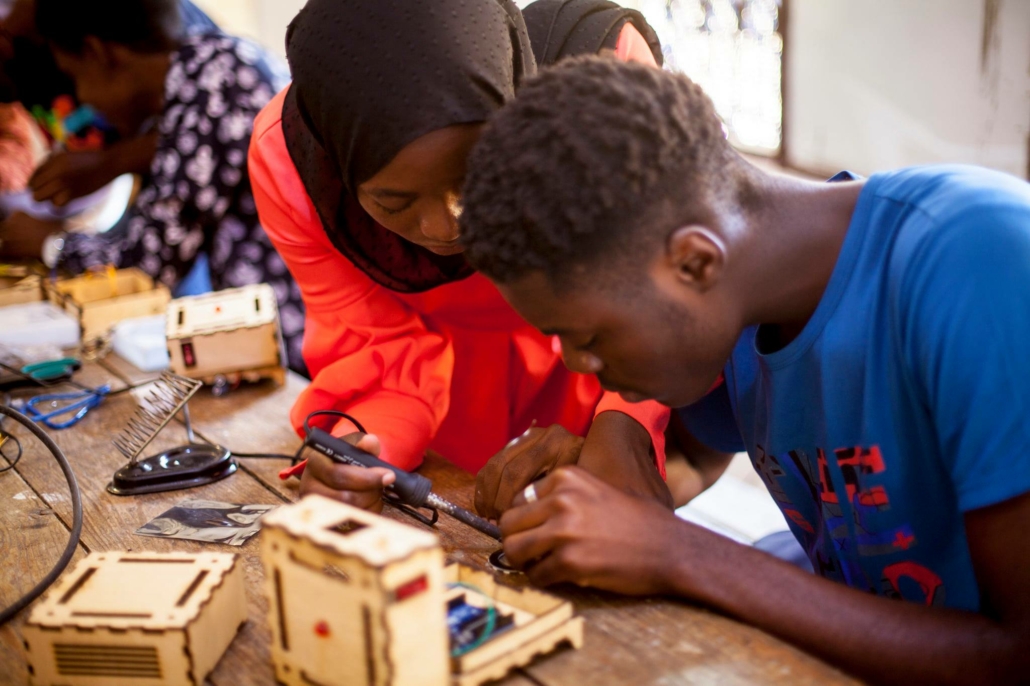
column 76, row 531
column 332, row 413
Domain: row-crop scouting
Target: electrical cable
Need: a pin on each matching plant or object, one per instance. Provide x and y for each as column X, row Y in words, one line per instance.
column 11, row 461
column 331, row 413
column 307, row 430
column 76, row 531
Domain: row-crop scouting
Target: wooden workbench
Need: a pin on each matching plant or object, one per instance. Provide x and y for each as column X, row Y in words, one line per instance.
column 631, row 641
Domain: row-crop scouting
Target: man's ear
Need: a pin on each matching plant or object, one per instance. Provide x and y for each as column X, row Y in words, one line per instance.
column 698, row 256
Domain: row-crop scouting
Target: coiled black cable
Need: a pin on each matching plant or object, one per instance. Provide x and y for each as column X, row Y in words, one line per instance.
column 73, row 539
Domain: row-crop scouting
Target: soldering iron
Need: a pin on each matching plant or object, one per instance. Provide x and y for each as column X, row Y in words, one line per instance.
column 413, row 490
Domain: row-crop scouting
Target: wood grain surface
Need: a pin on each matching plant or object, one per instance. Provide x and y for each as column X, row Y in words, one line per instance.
column 637, row 641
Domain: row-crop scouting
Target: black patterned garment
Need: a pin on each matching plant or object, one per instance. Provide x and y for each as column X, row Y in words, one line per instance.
column 198, row 197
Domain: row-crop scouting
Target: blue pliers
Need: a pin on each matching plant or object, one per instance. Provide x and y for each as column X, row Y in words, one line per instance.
column 81, row 403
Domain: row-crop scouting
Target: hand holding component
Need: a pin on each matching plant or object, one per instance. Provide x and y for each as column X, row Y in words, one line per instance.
column 358, row 486
column 534, row 454
column 580, row 530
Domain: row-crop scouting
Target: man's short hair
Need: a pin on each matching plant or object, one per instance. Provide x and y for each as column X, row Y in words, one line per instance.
column 143, row 25
column 595, row 158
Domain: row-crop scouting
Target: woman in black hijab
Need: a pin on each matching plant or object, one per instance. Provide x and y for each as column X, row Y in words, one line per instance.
column 356, row 171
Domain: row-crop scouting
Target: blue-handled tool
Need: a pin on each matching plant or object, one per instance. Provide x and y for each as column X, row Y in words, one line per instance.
column 81, row 402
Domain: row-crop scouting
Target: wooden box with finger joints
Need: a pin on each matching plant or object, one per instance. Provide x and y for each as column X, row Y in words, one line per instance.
column 146, row 619
column 234, row 333
column 356, row 599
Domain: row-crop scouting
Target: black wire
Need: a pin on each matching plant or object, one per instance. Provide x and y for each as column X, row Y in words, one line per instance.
column 73, row 537
column 307, row 430
column 332, row 413
column 11, row 462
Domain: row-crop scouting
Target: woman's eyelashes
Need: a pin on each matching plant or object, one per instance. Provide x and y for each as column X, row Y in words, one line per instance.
column 393, row 210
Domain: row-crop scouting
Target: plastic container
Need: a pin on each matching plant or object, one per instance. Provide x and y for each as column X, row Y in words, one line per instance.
column 142, row 343
column 39, row 323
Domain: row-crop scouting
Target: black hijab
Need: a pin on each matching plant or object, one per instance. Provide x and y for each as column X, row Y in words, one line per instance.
column 372, row 76
column 563, row 28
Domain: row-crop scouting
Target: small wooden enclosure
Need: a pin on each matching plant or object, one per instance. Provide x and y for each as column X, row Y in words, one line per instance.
column 145, row 619
column 18, row 286
column 100, row 301
column 356, row 599
column 234, row 333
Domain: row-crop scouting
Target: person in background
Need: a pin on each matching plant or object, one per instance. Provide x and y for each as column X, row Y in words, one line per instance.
column 86, row 152
column 866, row 339
column 130, row 62
column 357, row 170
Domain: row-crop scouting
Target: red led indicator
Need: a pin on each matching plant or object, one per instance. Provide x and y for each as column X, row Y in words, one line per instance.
column 187, row 355
column 411, row 588
column 322, row 629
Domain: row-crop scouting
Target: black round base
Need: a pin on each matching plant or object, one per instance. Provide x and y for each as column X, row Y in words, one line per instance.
column 187, row 466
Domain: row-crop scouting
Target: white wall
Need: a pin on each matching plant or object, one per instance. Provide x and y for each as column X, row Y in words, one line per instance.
column 878, row 84
column 262, row 20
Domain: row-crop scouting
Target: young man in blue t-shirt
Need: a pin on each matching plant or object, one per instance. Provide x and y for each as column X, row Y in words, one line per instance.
column 866, row 341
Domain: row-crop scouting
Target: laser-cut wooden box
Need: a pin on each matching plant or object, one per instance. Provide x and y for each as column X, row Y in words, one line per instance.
column 233, row 333
column 100, row 301
column 356, row 599
column 20, row 289
column 146, row 619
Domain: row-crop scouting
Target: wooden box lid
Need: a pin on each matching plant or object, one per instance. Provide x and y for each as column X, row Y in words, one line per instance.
column 121, row 590
column 237, row 308
column 350, row 531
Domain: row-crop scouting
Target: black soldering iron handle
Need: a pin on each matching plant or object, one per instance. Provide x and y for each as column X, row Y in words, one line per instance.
column 413, row 489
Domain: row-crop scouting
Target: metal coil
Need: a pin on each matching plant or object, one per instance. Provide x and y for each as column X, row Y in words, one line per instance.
column 167, row 397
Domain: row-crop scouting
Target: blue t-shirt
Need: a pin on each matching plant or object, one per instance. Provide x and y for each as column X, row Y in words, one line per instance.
column 905, row 400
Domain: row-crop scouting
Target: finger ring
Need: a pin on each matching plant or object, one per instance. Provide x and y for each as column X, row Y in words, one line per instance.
column 530, row 493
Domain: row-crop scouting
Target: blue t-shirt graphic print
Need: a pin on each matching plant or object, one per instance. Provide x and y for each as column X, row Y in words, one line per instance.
column 905, row 400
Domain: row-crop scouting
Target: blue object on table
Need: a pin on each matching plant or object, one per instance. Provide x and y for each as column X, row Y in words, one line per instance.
column 81, row 402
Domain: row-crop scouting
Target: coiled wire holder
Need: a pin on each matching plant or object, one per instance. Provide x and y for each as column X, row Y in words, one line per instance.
column 186, row 466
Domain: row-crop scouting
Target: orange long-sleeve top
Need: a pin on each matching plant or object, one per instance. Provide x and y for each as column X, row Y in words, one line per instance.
column 454, row 369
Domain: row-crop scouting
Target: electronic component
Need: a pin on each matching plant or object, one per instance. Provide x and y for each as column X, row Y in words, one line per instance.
column 358, row 599
column 471, row 626
column 147, row 619
column 233, row 334
column 194, row 464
